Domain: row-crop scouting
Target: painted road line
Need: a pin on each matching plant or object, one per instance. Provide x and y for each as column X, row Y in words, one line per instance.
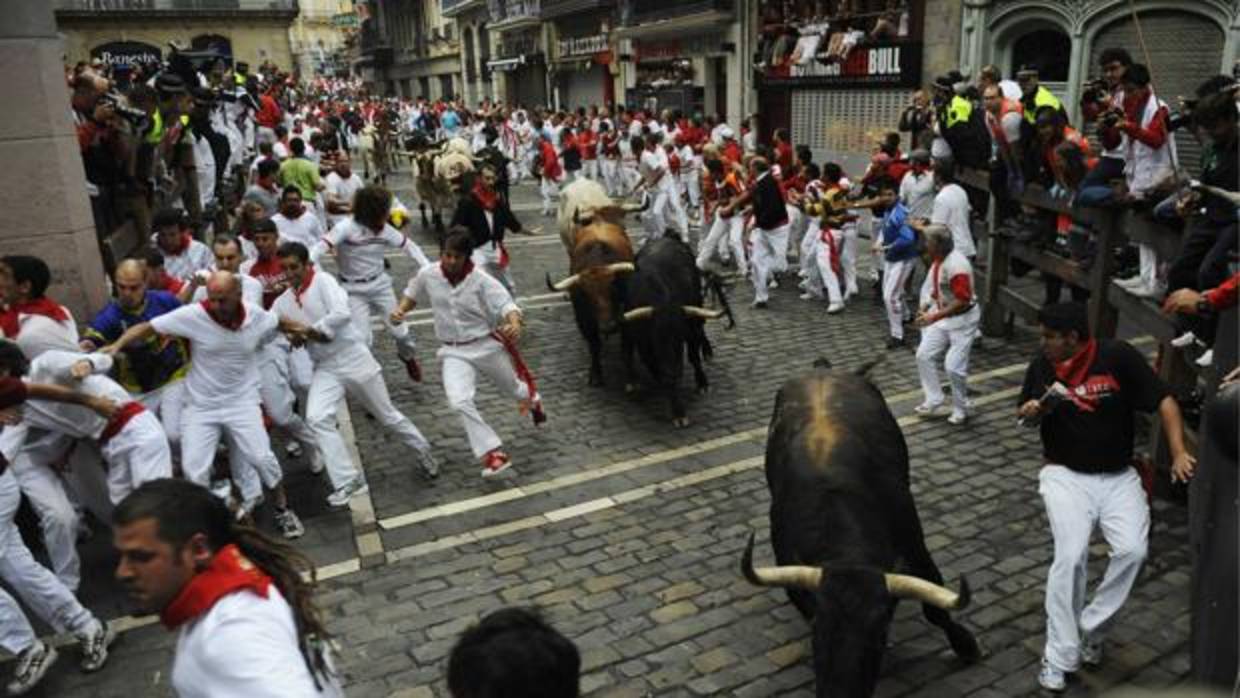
column 590, row 473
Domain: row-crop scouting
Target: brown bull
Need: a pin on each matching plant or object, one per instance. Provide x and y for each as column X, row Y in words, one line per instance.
column 600, row 258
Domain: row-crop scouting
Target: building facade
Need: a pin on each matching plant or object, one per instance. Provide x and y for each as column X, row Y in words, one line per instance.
column 583, row 70
column 408, row 49
column 318, row 35
column 253, row 31
column 519, row 53
column 472, row 18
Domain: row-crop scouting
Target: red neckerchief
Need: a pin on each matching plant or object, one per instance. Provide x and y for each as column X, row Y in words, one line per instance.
column 1074, row 370
column 229, row 572
column 455, row 279
column 10, row 316
column 487, row 197
column 935, row 268
column 236, row 322
column 305, row 285
column 518, row 364
column 186, row 239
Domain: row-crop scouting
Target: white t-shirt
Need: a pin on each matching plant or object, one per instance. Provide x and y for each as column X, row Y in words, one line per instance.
column 359, row 251
column 917, row 193
column 246, row 645
column 951, row 208
column 656, row 159
column 224, row 372
column 337, row 188
column 306, row 228
column 465, row 312
column 39, row 333
column 324, row 305
column 55, row 367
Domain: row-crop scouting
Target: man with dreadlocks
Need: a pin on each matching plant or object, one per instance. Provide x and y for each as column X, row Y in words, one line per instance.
column 246, row 622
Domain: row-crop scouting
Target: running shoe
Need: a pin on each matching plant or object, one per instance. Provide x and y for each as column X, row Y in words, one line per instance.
column 32, row 666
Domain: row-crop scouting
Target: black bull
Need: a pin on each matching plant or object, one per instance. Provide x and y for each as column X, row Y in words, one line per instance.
column 664, row 318
column 845, row 529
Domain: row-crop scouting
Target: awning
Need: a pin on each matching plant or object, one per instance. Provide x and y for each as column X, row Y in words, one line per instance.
column 506, row 64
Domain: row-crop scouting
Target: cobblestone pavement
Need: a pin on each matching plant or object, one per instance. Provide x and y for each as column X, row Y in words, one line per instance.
column 627, row 532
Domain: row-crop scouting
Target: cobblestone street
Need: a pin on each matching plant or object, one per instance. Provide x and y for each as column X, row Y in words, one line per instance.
column 628, row 532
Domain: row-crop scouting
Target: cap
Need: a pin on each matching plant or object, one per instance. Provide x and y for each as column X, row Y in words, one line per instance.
column 1027, row 71
column 726, row 132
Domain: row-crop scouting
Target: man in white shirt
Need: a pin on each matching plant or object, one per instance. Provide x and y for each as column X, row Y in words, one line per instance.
column 245, row 621
column 917, row 187
column 222, row 388
column 951, row 208
column 294, row 222
column 948, row 319
column 665, row 210
column 183, row 255
column 340, row 186
column 359, row 243
column 478, row 323
column 316, row 314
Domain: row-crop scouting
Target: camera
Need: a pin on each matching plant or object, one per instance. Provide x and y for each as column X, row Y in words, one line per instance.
column 120, row 104
column 1096, row 90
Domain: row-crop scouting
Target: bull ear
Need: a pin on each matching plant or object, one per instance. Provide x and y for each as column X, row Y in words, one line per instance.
column 903, row 586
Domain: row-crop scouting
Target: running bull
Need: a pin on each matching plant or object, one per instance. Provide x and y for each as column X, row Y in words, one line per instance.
column 437, row 170
column 664, row 318
column 600, row 257
column 845, row 530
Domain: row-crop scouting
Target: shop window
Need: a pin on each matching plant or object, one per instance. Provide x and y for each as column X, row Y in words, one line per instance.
column 212, row 42
column 1049, row 50
column 665, row 73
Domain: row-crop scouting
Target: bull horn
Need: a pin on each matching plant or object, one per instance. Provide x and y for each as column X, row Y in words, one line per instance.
column 705, row 314
column 795, row 576
column 639, row 313
column 621, row 268
column 903, row 586
column 565, row 284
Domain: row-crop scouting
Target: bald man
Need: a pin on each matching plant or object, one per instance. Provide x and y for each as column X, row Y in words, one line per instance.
column 153, row 370
column 222, row 389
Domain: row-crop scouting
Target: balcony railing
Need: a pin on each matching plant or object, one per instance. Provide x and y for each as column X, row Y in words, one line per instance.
column 558, row 8
column 641, row 11
column 514, row 11
column 448, row 8
column 135, row 6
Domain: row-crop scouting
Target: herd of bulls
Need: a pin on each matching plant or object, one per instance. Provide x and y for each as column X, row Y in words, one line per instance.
column 847, row 539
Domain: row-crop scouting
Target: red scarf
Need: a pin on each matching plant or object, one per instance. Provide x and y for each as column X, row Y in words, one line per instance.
column 457, row 278
column 1074, row 370
column 305, row 285
column 234, row 324
column 518, row 364
column 229, row 572
column 186, row 239
column 10, row 317
column 487, row 197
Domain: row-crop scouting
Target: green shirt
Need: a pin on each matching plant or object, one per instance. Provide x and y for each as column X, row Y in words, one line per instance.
column 302, row 174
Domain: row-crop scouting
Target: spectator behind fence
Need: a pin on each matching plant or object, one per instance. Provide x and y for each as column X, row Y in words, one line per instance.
column 513, row 653
column 1102, row 102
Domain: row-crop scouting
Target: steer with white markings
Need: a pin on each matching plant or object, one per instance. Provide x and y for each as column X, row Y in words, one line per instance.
column 845, row 530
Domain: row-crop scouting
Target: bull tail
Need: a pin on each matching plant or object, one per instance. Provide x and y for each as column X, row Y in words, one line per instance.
column 714, row 285
column 864, row 369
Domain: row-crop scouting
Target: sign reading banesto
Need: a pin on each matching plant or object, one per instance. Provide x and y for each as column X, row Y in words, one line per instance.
column 128, row 53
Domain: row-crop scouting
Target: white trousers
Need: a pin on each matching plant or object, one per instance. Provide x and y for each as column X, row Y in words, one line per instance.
column 248, row 445
column 848, row 259
column 798, row 223
column 137, row 454
column 377, row 295
column 589, row 169
column 609, row 170
column 461, row 366
column 895, row 276
column 39, row 589
column 167, row 402
column 824, row 261
column 487, row 258
column 693, row 186
column 953, row 335
column 629, row 176
column 770, row 256
column 808, row 247
column 1147, row 258
column 48, row 493
column 716, row 243
column 550, row 190
column 1075, row 503
column 362, row 379
column 277, row 393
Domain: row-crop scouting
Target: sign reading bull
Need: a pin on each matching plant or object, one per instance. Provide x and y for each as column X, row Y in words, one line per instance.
column 845, row 530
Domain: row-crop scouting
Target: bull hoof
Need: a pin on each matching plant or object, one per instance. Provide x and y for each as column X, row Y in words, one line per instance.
column 680, row 422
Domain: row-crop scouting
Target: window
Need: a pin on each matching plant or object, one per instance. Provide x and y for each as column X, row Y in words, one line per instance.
column 1049, row 50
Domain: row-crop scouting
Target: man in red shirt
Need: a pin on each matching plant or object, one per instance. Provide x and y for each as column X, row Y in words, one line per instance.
column 269, row 115
column 551, row 173
column 783, row 151
column 587, row 145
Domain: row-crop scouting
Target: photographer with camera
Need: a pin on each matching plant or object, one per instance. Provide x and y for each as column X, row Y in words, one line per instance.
column 1102, row 102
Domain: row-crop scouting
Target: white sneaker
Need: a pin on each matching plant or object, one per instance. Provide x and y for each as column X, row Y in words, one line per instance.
column 1206, row 360
column 345, row 492
column 247, row 507
column 835, row 308
column 94, row 646
column 773, row 283
column 1130, row 282
column 1144, row 291
column 292, row 449
column 926, row 409
column 1051, row 678
column 957, row 418
column 1185, row 340
column 807, row 296
column 32, row 666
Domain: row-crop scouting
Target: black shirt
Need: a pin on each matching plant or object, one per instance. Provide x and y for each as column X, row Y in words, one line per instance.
column 1091, row 430
column 769, row 210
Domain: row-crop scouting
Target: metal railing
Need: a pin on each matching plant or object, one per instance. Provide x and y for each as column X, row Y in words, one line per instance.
column 639, row 11
column 174, row 5
column 509, row 10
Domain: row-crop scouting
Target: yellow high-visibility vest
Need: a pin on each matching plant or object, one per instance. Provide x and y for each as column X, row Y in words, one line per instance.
column 1042, row 98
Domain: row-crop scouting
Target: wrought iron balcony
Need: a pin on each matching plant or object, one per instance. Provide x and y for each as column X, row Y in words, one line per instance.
column 452, row 8
column 117, row 8
column 559, row 8
column 508, row 14
column 633, row 12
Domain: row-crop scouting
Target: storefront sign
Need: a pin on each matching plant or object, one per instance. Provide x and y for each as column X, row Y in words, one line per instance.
column 881, row 64
column 127, row 53
column 676, row 48
column 583, row 46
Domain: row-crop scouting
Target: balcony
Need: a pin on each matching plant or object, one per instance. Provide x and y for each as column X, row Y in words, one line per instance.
column 559, row 8
column 660, row 18
column 129, row 9
column 452, row 8
column 514, row 14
